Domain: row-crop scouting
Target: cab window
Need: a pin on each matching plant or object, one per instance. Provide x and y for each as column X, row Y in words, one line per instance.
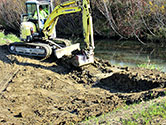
column 31, row 9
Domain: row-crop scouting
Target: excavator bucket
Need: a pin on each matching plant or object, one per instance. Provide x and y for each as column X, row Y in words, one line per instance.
column 77, row 60
column 66, row 51
column 81, row 60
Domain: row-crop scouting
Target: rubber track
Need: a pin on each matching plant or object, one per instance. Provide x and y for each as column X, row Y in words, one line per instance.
column 42, row 45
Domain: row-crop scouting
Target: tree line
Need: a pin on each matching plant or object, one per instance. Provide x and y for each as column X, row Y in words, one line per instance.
column 123, row 19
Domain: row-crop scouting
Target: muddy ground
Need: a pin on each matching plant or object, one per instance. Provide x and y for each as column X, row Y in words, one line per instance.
column 40, row 92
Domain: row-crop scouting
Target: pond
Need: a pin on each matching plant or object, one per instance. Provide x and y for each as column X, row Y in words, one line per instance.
column 131, row 54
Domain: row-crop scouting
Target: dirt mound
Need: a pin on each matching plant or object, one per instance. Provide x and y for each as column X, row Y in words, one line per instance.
column 46, row 92
column 134, row 80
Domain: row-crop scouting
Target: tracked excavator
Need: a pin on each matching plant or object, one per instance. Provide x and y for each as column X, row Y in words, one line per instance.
column 38, row 33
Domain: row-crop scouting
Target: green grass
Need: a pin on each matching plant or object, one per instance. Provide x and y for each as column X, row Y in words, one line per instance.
column 8, row 38
column 12, row 37
column 150, row 66
column 146, row 116
column 2, row 35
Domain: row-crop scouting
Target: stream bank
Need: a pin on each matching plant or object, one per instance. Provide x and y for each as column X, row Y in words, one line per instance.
column 132, row 53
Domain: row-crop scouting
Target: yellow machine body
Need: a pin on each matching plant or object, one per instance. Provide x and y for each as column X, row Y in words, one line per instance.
column 27, row 29
column 39, row 35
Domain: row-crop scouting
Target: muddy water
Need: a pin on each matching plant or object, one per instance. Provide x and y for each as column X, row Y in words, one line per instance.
column 131, row 53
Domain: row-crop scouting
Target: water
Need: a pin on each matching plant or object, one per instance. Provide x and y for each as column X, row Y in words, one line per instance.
column 131, row 53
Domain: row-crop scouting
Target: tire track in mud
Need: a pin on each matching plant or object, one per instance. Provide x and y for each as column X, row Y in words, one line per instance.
column 9, row 69
column 5, row 82
column 45, row 92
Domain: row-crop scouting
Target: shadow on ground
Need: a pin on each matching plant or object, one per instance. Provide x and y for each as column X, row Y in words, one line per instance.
column 128, row 83
column 59, row 66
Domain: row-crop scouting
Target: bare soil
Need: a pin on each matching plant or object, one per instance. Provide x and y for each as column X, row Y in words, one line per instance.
column 50, row 91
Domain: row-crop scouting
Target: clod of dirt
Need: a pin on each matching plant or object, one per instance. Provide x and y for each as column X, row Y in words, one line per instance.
column 19, row 115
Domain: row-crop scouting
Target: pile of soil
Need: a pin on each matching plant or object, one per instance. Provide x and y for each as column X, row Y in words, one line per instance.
column 39, row 92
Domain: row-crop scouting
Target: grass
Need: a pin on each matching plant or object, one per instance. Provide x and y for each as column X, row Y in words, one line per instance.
column 8, row 38
column 150, row 66
column 147, row 116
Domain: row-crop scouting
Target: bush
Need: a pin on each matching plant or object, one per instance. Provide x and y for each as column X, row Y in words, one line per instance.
column 141, row 19
column 135, row 19
column 10, row 13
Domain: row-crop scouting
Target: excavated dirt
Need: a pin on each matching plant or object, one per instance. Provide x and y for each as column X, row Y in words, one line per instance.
column 40, row 92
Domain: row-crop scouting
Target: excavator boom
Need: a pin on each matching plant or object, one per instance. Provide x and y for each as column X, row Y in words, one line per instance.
column 64, row 8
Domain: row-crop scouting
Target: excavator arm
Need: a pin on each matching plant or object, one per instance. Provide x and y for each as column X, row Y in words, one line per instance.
column 69, row 7
column 52, row 19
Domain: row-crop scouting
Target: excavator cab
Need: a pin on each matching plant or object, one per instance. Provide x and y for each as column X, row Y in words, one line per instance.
column 33, row 21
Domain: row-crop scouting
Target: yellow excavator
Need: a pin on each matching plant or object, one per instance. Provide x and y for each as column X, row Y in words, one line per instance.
column 38, row 33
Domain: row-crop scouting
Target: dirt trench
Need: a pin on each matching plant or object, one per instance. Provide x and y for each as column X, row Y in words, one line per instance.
column 43, row 92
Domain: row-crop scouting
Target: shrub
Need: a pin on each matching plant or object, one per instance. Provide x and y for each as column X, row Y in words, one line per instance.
column 10, row 13
column 135, row 18
column 141, row 19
